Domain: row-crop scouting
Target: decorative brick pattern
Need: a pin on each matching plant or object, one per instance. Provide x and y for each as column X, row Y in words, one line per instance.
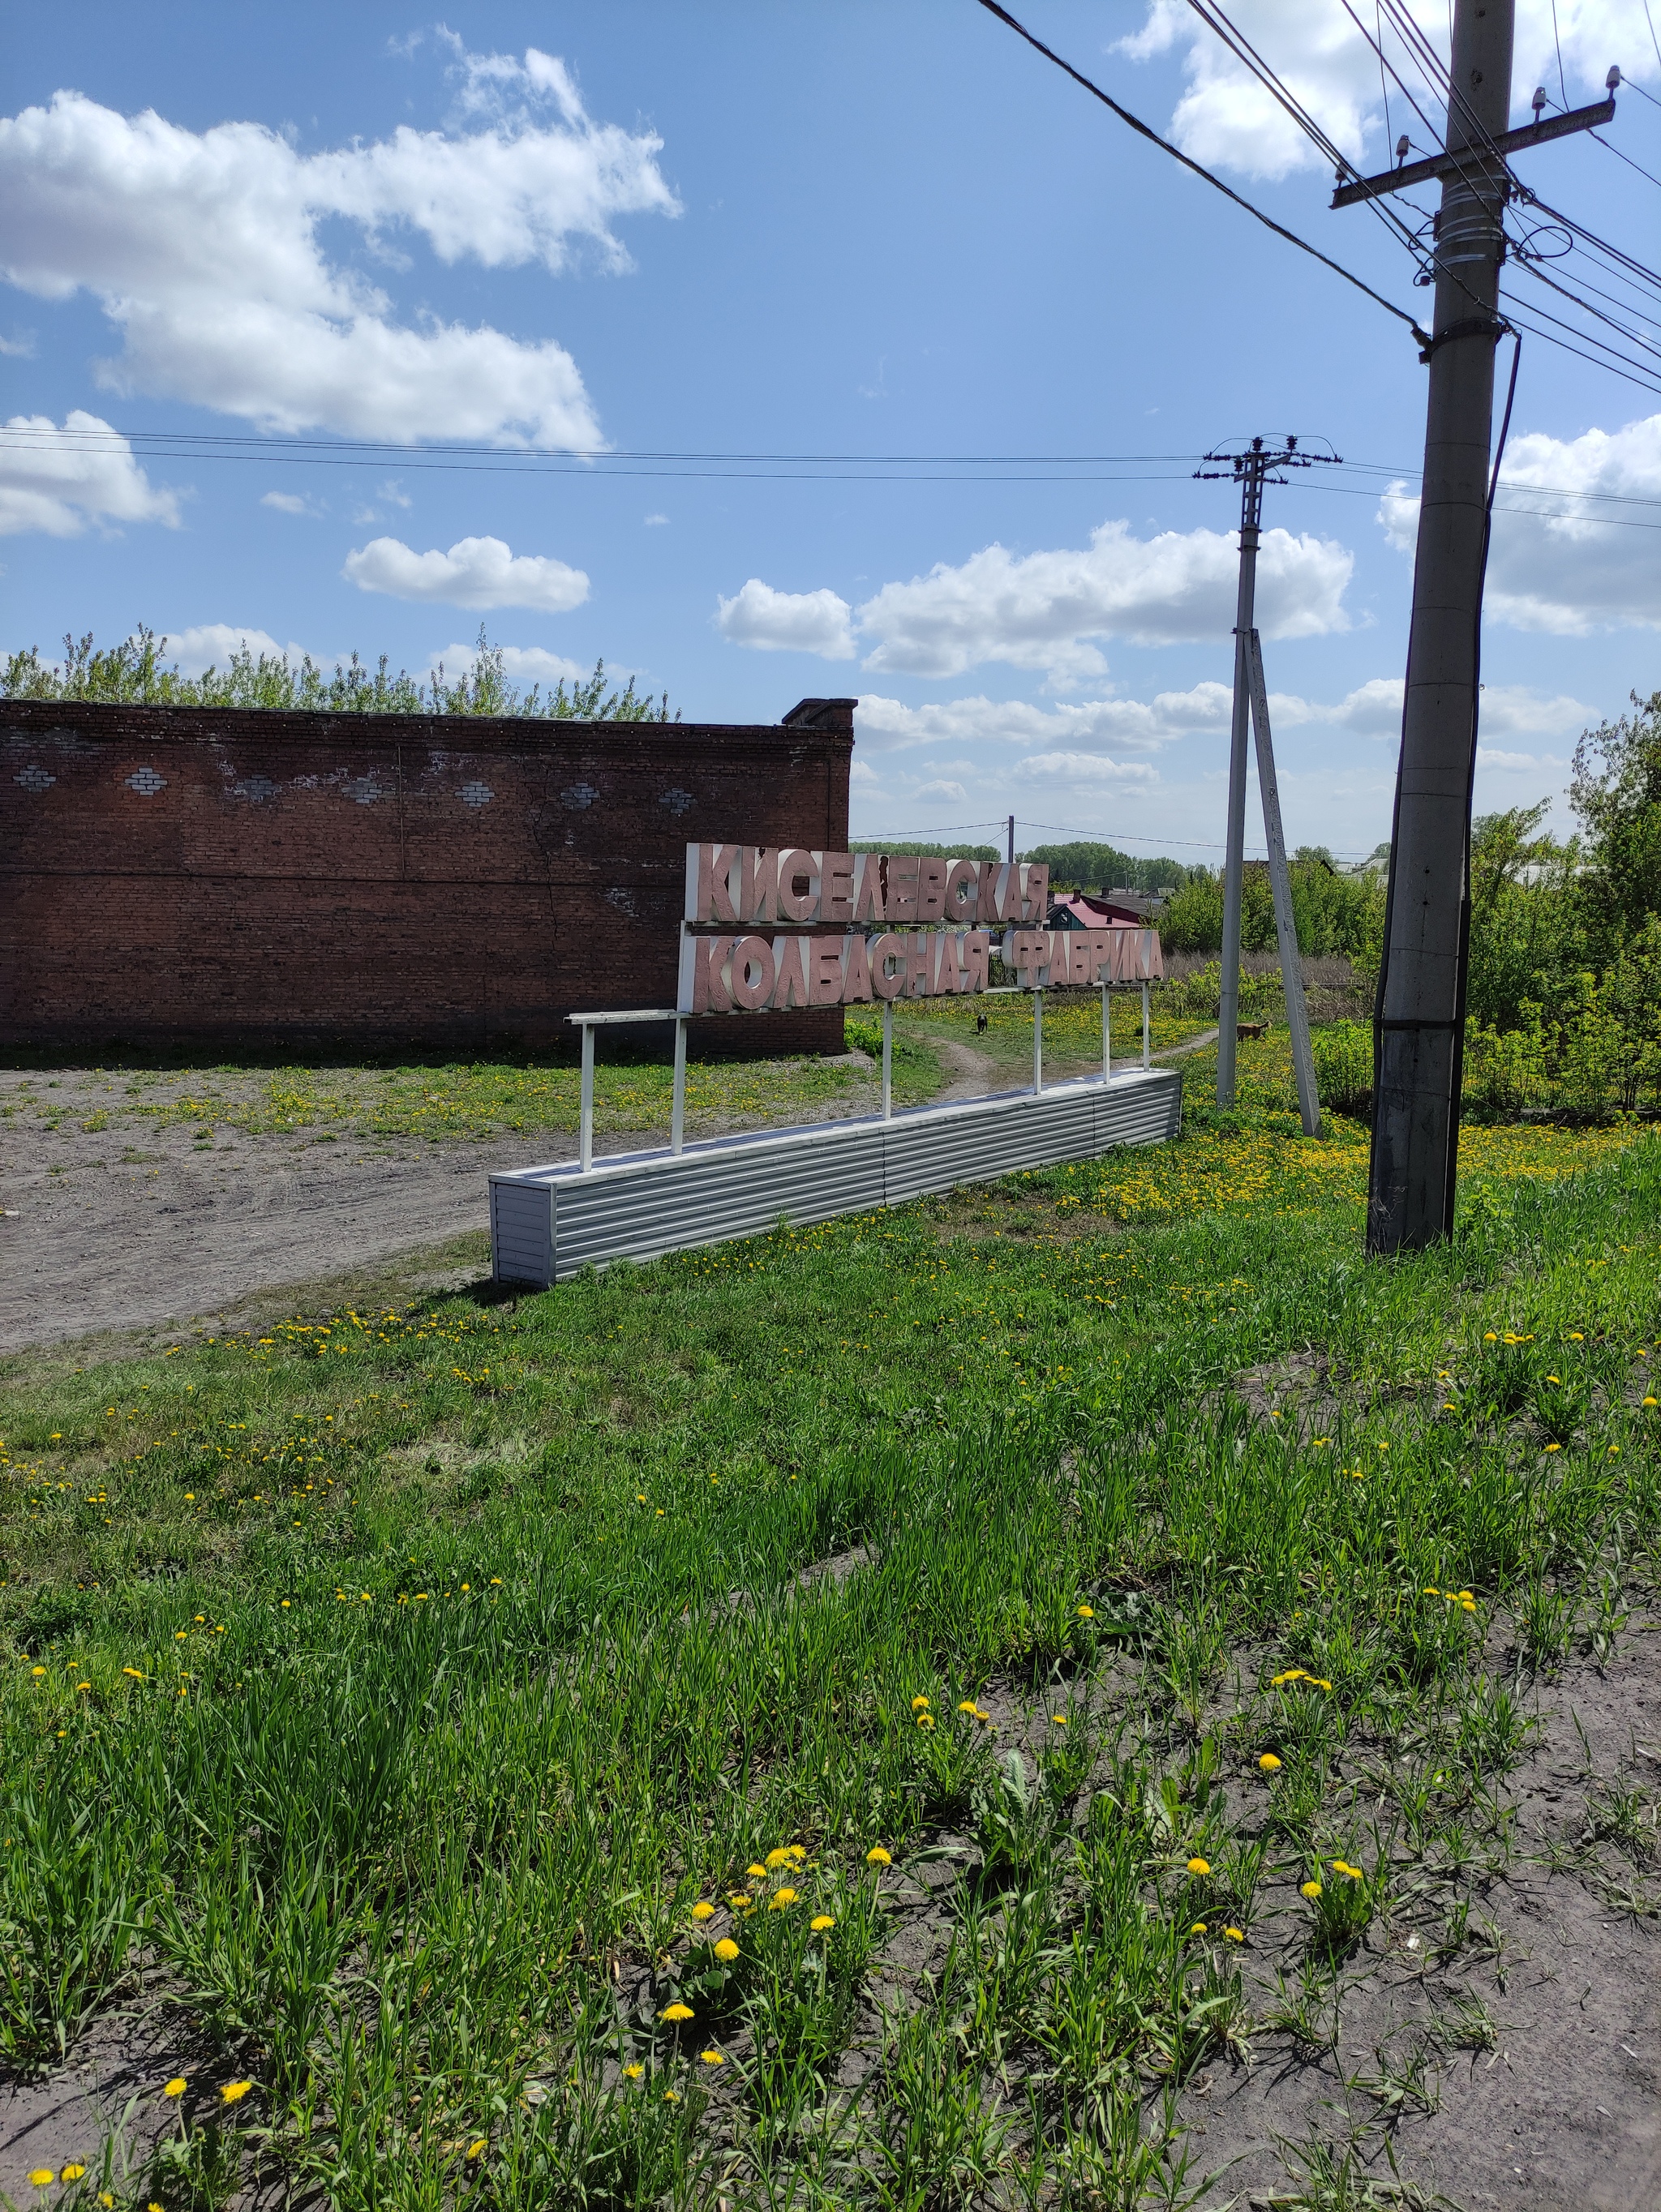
column 252, row 899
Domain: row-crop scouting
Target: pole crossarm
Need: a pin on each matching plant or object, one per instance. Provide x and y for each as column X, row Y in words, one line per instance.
column 1408, row 174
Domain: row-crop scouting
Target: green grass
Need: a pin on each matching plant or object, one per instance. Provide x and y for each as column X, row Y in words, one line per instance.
column 459, row 1101
column 384, row 1692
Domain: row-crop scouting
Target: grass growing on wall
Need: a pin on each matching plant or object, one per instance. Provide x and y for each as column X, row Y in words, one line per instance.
column 519, row 1741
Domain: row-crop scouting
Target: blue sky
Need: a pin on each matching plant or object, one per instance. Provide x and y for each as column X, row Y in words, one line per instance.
column 830, row 229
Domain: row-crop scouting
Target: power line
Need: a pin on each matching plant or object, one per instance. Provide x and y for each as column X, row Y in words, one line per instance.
column 1145, row 131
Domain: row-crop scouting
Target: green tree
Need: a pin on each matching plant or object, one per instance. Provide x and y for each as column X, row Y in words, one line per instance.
column 1526, row 936
column 1085, row 866
column 1617, row 792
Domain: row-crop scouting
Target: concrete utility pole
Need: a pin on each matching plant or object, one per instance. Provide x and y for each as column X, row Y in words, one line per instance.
column 1253, row 467
column 1419, row 1024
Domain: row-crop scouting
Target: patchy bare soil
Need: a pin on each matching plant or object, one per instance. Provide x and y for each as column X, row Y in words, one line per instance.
column 1520, row 2067
column 149, row 1223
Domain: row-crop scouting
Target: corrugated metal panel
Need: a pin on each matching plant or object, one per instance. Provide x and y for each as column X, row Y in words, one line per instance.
column 547, row 1222
column 670, row 1206
column 521, row 1231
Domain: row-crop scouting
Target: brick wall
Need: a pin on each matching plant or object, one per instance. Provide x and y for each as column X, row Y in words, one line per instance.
column 207, row 877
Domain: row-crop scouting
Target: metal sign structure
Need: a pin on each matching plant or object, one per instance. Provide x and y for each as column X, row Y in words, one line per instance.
column 774, row 931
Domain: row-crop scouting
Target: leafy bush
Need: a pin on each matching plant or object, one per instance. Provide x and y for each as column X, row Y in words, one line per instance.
column 1343, row 1066
column 135, row 673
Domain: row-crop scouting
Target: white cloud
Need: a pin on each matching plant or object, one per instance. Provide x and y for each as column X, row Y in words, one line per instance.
column 1044, row 610
column 289, row 502
column 1094, row 770
column 211, row 644
column 520, row 664
column 58, row 480
column 476, row 572
column 1575, row 564
column 887, row 725
column 942, row 787
column 203, row 250
column 1041, row 611
column 787, row 622
column 1373, row 709
column 1514, row 710
column 1225, row 117
column 862, row 774
column 1519, row 763
column 655, row 521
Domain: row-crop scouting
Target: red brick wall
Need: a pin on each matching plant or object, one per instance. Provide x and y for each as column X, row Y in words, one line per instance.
column 199, row 877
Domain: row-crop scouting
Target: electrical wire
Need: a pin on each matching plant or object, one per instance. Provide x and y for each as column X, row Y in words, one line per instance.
column 1610, row 147
column 1241, row 47
column 180, row 445
column 1146, row 131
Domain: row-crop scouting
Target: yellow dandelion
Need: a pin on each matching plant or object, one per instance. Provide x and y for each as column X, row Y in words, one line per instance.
column 703, row 1910
column 797, row 1852
column 670, row 2097
column 234, row 2091
column 877, row 1856
column 726, row 1950
column 920, row 1705
column 175, row 2087
column 777, row 1858
column 1269, row 1764
column 1198, row 1928
column 1199, row 1866
column 1312, row 1889
column 969, row 1706
column 476, row 2149
column 756, row 1873
column 1086, row 1612
column 632, row 2073
column 821, row 1921
column 676, row 2012
column 1058, row 1720
column 42, row 2177
column 713, row 2057
column 73, row 2173
column 780, row 1898
column 738, row 1899
column 1234, row 1935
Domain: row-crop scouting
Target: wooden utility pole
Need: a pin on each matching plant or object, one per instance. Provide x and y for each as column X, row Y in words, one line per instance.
column 1419, row 1023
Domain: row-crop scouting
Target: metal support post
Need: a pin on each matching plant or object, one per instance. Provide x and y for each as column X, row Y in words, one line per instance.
column 1148, row 1056
column 678, row 1110
column 1107, row 1040
column 586, row 1114
column 1250, row 468
column 1418, row 1026
column 1038, row 1043
column 1286, row 924
column 888, row 1060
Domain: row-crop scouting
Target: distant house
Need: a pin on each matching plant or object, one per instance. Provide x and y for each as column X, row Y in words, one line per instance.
column 1116, row 910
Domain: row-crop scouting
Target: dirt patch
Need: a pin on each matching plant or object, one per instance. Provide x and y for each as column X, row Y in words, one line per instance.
column 136, row 1224
column 1520, row 2067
